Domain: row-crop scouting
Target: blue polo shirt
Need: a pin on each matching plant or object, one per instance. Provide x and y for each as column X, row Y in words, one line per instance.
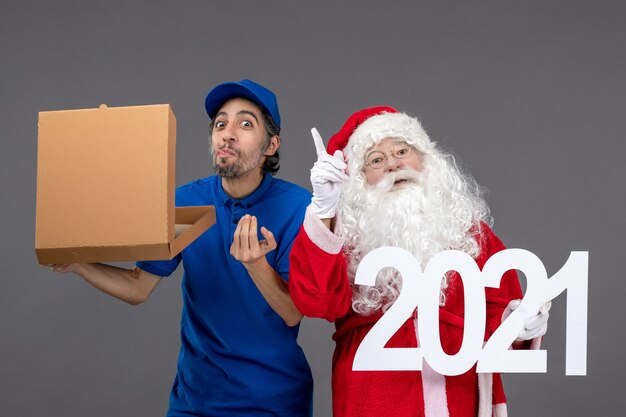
column 237, row 356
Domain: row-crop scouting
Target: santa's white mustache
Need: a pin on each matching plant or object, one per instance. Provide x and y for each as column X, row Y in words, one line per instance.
column 391, row 178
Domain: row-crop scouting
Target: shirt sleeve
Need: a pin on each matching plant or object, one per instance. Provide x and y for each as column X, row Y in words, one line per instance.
column 318, row 280
column 160, row 268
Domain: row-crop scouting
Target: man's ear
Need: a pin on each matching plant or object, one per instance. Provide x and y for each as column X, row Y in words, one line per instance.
column 273, row 146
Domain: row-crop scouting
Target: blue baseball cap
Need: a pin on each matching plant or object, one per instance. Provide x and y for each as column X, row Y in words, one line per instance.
column 247, row 89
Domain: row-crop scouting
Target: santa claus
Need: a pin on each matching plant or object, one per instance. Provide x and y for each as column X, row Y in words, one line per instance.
column 383, row 182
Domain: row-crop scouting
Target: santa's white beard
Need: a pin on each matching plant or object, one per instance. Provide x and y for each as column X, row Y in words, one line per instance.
column 423, row 215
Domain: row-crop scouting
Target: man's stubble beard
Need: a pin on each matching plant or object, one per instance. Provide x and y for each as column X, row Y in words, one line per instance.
column 244, row 164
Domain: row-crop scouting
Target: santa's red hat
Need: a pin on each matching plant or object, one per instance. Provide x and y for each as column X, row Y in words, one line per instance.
column 340, row 139
column 367, row 127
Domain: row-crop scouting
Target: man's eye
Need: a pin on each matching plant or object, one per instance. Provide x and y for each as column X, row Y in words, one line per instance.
column 376, row 160
column 220, row 124
column 402, row 151
column 246, row 123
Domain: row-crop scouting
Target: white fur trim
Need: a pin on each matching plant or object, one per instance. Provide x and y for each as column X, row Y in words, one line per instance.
column 485, row 394
column 435, row 398
column 381, row 126
column 434, row 388
column 499, row 410
column 535, row 344
column 319, row 234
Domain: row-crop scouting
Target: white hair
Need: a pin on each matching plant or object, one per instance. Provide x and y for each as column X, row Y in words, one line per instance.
column 440, row 209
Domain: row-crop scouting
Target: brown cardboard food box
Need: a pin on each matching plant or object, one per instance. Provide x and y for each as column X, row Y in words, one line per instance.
column 106, row 184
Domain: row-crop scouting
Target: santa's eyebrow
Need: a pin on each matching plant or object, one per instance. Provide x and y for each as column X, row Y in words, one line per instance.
column 404, row 142
column 372, row 152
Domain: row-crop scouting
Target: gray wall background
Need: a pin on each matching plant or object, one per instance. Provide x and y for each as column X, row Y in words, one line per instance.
column 531, row 96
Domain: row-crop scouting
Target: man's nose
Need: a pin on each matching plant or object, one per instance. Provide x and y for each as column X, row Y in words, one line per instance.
column 228, row 134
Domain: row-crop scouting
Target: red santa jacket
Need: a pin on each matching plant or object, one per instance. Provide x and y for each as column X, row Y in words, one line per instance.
column 319, row 287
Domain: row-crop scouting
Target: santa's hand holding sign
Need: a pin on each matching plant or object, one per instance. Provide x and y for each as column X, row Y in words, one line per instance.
column 383, row 182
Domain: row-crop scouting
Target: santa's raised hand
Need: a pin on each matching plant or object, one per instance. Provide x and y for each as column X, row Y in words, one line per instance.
column 327, row 175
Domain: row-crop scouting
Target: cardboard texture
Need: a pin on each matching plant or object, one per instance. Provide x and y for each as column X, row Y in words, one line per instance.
column 106, row 184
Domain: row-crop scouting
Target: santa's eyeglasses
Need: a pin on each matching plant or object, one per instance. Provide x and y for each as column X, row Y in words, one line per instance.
column 378, row 159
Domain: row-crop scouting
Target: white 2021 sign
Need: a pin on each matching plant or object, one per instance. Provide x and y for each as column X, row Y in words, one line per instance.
column 421, row 289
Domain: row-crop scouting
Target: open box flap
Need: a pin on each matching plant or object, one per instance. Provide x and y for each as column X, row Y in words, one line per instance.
column 191, row 222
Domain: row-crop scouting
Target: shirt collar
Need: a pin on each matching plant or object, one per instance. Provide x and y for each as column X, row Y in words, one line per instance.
column 250, row 199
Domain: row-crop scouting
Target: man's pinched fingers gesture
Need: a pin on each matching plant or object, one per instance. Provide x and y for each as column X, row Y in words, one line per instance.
column 246, row 246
